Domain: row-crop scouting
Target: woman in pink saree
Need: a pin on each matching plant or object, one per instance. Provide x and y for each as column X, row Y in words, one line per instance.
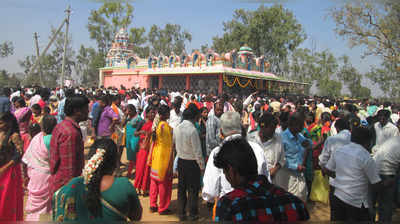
column 23, row 115
column 36, row 158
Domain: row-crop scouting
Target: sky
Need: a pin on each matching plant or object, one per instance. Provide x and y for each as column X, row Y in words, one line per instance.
column 19, row 19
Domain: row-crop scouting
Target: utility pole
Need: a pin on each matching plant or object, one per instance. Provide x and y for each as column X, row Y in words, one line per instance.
column 68, row 11
column 47, row 47
column 37, row 58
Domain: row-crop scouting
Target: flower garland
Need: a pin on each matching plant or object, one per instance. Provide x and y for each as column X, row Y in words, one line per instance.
column 92, row 165
column 237, row 80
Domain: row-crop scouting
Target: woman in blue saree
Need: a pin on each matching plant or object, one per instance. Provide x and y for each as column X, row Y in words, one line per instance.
column 97, row 196
column 134, row 122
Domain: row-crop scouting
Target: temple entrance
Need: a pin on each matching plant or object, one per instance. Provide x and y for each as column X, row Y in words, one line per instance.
column 154, row 80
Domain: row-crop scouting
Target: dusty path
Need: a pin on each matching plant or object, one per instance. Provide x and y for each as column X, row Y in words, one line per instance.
column 318, row 211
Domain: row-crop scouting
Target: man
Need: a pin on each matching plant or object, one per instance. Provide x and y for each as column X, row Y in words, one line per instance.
column 108, row 120
column 66, row 146
column 383, row 129
column 295, row 146
column 5, row 104
column 253, row 199
column 212, row 127
column 387, row 161
column 215, row 185
column 275, row 105
column 60, row 109
column 190, row 164
column 271, row 143
column 332, row 143
column 97, row 108
column 176, row 113
column 135, row 101
column 353, row 169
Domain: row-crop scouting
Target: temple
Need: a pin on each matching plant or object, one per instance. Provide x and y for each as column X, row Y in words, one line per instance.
column 235, row 71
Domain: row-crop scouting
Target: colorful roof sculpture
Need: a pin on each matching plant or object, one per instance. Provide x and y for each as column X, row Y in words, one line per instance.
column 243, row 63
column 121, row 52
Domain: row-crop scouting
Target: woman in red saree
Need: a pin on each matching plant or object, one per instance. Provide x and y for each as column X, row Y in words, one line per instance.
column 11, row 149
column 142, row 176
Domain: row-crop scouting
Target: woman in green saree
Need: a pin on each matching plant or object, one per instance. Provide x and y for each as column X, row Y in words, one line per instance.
column 98, row 196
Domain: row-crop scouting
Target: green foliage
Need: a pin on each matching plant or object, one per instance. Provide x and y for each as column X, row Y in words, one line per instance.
column 352, row 78
column 6, row 49
column 105, row 22
column 329, row 73
column 4, row 78
column 387, row 77
column 50, row 64
column 169, row 39
column 270, row 31
column 57, row 55
column 138, row 38
column 329, row 87
column 375, row 25
column 87, row 63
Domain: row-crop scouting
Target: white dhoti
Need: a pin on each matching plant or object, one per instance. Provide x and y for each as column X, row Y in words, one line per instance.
column 294, row 182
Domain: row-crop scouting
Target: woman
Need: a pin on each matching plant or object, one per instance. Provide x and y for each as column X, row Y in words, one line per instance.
column 98, row 196
column 161, row 160
column 23, row 114
column 37, row 114
column 202, row 124
column 36, row 158
column 319, row 185
column 134, row 122
column 11, row 149
column 142, row 176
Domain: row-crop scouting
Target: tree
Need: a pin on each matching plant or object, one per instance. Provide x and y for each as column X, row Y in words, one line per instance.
column 6, row 49
column 86, row 65
column 169, row 39
column 302, row 66
column 105, row 22
column 204, row 48
column 4, row 78
column 270, row 31
column 375, row 25
column 386, row 76
column 138, row 39
column 50, row 64
column 351, row 77
column 58, row 51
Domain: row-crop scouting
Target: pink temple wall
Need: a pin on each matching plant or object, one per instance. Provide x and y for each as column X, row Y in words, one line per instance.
column 128, row 81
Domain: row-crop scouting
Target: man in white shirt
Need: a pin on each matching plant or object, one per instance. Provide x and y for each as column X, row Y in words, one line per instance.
column 384, row 129
column 387, row 160
column 190, row 164
column 331, row 144
column 272, row 145
column 175, row 117
column 212, row 128
column 215, row 185
column 354, row 170
column 135, row 101
column 334, row 142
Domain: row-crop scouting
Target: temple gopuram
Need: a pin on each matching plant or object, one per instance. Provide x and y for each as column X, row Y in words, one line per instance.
column 234, row 71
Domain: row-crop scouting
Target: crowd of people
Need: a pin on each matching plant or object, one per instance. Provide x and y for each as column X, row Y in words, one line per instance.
column 259, row 157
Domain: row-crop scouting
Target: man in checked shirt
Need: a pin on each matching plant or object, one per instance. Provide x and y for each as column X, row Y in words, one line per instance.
column 66, row 145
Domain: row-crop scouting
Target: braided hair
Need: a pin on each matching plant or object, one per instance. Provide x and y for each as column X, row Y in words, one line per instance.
column 106, row 167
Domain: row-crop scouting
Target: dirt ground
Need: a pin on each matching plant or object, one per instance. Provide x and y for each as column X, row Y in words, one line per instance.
column 318, row 212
